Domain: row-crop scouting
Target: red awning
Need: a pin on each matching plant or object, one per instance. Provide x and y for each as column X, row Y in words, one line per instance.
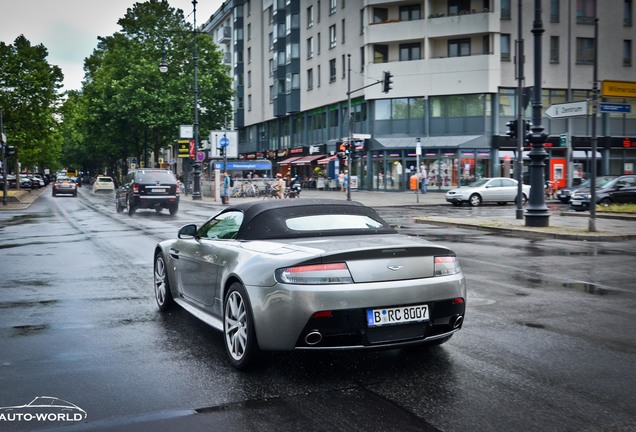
column 307, row 160
column 289, row 160
column 327, row 160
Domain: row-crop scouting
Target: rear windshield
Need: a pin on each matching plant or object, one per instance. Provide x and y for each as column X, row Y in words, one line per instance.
column 104, row 179
column 156, row 176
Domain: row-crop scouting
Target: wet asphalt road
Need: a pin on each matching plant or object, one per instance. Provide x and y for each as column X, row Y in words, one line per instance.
column 549, row 341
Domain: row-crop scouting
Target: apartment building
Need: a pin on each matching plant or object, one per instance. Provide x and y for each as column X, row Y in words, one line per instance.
column 308, row 75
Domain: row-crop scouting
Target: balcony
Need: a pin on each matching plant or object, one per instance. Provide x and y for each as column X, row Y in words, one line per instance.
column 463, row 24
column 224, row 35
column 394, row 31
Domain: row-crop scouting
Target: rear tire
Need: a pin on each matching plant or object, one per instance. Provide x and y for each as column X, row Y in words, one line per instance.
column 606, row 202
column 131, row 208
column 173, row 209
column 239, row 335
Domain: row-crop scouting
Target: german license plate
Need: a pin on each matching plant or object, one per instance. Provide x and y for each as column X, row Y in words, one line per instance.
column 576, row 202
column 158, row 190
column 397, row 315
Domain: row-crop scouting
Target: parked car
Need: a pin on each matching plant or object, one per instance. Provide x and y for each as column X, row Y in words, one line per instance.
column 564, row 194
column 488, row 189
column 621, row 190
column 310, row 274
column 103, row 183
column 64, row 185
column 148, row 189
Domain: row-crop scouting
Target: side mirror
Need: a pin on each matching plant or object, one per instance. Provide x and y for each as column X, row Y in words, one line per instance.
column 187, row 231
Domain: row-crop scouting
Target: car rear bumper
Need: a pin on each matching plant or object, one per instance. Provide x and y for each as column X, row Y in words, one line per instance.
column 284, row 314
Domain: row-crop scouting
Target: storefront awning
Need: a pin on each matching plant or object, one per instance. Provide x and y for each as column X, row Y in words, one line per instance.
column 307, row 160
column 452, row 141
column 576, row 154
column 327, row 160
column 289, row 160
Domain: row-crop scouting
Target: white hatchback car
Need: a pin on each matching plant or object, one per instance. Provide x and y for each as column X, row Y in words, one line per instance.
column 495, row 189
column 103, row 183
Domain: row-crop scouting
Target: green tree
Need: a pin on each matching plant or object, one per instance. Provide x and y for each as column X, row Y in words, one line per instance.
column 131, row 107
column 30, row 97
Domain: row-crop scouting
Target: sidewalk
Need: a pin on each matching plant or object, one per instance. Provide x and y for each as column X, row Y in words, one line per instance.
column 563, row 224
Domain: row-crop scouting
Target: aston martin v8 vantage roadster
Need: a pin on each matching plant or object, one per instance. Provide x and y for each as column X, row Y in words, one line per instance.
column 310, row 274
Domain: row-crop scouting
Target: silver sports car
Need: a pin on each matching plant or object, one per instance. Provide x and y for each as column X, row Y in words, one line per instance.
column 310, row 274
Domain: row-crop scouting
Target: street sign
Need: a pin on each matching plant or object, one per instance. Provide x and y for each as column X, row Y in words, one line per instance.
column 200, row 156
column 570, row 109
column 224, row 142
column 615, row 107
column 621, row 89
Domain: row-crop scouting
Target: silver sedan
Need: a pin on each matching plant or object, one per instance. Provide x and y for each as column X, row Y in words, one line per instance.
column 308, row 275
column 500, row 190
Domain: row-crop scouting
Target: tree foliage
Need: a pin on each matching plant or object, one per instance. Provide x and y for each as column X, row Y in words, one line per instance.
column 29, row 99
column 127, row 108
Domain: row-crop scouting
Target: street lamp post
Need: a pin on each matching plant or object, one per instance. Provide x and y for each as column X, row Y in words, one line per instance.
column 163, row 67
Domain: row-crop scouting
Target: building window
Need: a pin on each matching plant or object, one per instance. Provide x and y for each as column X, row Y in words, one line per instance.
column 272, row 67
column 344, row 31
column 249, row 102
column 627, row 13
column 318, row 76
column 310, row 79
column 333, row 4
column 318, row 14
column 318, row 43
column 585, row 50
column 332, row 70
column 332, row 36
column 249, row 55
column 485, row 41
column 410, row 52
column 410, row 12
column 554, row 11
column 344, row 66
column 505, row 10
column 361, row 59
column 249, row 31
column 459, row 47
column 270, row 40
column 380, row 53
column 458, row 7
column 505, row 47
column 554, row 49
column 310, row 47
column 380, row 15
column 627, row 52
column 249, row 78
column 585, row 11
column 310, row 16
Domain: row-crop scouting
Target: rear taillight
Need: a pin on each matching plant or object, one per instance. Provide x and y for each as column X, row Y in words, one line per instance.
column 135, row 187
column 315, row 274
column 446, row 265
column 177, row 189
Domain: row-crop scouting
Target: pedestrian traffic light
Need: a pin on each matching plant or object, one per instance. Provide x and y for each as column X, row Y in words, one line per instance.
column 512, row 129
column 10, row 150
column 387, row 80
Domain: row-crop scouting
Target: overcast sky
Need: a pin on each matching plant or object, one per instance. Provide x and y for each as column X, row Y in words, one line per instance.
column 69, row 28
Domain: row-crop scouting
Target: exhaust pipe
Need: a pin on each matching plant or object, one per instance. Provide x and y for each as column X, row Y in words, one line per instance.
column 457, row 322
column 313, row 337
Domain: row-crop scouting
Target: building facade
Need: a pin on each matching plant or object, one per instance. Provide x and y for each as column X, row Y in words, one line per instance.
column 308, row 76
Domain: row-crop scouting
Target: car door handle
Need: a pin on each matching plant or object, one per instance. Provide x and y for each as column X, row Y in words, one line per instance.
column 174, row 253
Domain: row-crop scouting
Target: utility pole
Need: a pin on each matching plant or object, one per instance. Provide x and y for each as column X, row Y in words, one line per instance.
column 521, row 136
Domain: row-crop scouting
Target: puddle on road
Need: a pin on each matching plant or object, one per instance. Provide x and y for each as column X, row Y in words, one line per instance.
column 588, row 288
column 29, row 329
column 22, row 304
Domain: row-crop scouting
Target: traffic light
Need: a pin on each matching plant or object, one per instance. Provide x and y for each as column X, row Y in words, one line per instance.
column 386, row 82
column 512, row 129
column 10, row 150
column 527, row 128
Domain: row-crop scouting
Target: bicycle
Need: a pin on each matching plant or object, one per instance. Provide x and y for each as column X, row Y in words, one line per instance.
column 551, row 189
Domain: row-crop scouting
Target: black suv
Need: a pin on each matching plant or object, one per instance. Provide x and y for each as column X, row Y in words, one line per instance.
column 148, row 189
column 621, row 190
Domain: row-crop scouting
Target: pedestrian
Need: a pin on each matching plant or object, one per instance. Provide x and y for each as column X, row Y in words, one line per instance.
column 345, row 181
column 227, row 183
column 423, row 178
column 279, row 186
column 341, row 177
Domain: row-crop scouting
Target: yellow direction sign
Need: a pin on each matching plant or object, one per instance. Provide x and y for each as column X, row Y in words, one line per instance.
column 620, row 89
column 184, row 148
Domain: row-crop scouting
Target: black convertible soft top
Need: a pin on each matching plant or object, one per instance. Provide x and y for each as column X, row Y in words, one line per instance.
column 266, row 219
